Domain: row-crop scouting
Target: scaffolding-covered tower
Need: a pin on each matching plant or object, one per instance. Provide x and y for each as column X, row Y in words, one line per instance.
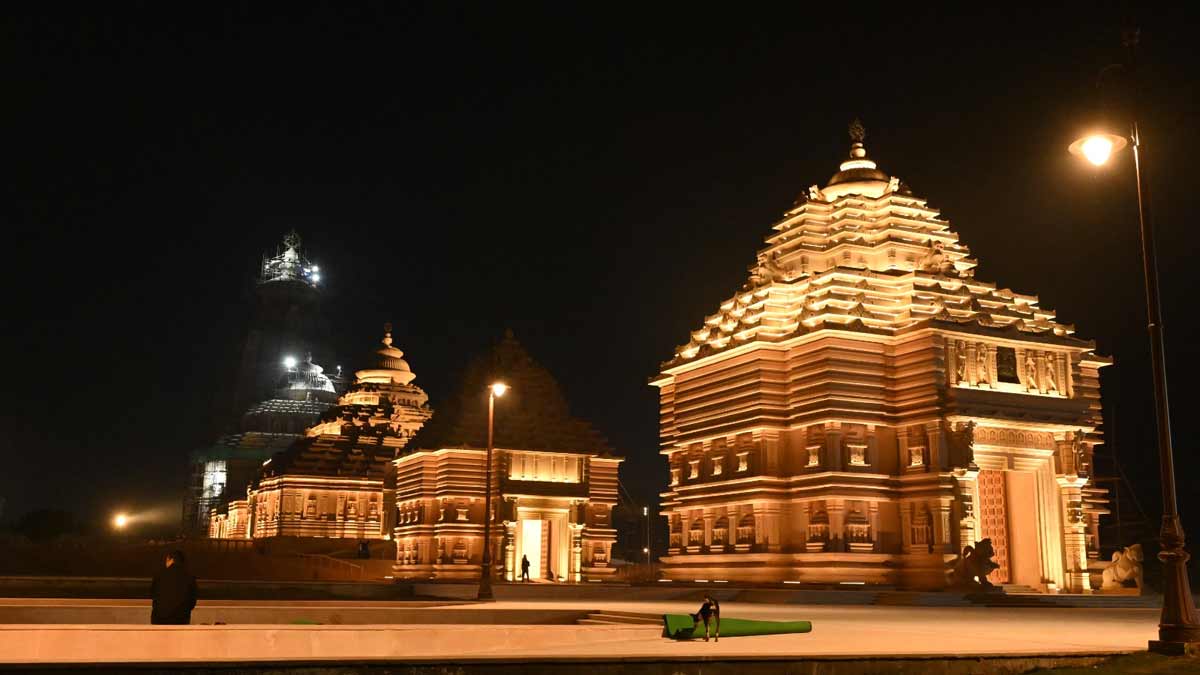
column 275, row 394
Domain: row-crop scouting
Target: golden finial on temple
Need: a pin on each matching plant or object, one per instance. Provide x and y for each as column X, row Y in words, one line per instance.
column 857, row 132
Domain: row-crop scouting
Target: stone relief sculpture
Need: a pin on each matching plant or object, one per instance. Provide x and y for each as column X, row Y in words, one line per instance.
column 1126, row 568
column 1031, row 378
column 971, row 569
column 1079, row 452
column 1051, row 379
column 769, row 269
column 935, row 260
column 960, row 358
column 981, row 364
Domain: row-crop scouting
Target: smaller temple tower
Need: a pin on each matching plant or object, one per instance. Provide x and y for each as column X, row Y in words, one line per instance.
column 336, row 481
column 554, row 482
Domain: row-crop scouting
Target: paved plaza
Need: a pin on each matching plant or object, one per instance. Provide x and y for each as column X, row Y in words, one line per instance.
column 838, row 631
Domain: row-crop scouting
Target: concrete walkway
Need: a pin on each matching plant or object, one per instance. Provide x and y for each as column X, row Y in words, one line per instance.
column 838, row 632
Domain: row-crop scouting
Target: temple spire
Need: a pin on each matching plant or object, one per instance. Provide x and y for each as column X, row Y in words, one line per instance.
column 857, row 135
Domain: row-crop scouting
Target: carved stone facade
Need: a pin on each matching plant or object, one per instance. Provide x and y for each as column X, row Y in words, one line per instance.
column 554, row 483
column 859, row 390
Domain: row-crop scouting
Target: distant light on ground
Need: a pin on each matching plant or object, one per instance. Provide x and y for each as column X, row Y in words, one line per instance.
column 120, row 521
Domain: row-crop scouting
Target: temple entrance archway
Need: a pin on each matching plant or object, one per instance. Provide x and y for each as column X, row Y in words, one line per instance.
column 543, row 537
column 1009, row 515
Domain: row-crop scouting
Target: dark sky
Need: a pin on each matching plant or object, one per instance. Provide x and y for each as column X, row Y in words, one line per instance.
column 595, row 177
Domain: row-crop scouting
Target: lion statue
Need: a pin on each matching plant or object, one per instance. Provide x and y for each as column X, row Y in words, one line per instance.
column 972, row 568
column 1126, row 567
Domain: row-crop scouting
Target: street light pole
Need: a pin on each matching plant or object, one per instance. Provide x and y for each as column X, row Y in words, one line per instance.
column 485, row 575
column 1179, row 622
column 1179, row 626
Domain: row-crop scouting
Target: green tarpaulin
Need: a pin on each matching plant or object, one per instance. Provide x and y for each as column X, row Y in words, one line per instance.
column 684, row 627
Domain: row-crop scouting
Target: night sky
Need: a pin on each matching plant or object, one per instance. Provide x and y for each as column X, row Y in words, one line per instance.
column 595, row 177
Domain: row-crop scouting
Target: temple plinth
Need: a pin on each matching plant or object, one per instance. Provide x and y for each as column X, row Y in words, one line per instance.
column 864, row 408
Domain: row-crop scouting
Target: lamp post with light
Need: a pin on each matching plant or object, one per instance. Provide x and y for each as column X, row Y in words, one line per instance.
column 496, row 390
column 1179, row 625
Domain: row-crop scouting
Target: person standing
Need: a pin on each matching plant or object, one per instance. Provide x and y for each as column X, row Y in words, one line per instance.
column 173, row 592
column 710, row 610
column 524, row 568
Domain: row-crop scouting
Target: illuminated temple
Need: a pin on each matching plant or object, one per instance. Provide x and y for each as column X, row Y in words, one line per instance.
column 334, row 481
column 554, row 482
column 864, row 408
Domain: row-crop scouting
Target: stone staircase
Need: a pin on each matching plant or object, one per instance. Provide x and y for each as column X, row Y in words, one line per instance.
column 1025, row 596
column 921, row 599
column 613, row 617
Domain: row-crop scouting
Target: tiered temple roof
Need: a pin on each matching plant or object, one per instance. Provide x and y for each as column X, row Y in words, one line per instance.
column 372, row 421
column 864, row 254
column 533, row 415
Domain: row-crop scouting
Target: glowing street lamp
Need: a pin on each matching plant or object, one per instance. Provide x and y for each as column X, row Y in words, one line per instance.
column 1179, row 625
column 120, row 521
column 1097, row 148
column 495, row 390
column 289, row 362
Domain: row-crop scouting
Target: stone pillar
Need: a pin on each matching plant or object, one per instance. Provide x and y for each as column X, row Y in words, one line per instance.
column 834, row 459
column 873, row 523
column 968, row 525
column 836, row 509
column 951, row 363
column 991, row 365
column 972, row 362
column 1078, row 580
column 906, row 518
column 771, row 535
column 709, row 517
column 510, row 550
column 872, row 453
column 944, row 530
column 936, row 446
column 576, row 573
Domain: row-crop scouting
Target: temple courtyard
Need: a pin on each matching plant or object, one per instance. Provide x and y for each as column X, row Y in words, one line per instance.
column 597, row 632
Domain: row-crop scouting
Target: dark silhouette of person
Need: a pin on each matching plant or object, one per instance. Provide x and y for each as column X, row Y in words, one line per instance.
column 710, row 610
column 173, row 592
column 524, row 568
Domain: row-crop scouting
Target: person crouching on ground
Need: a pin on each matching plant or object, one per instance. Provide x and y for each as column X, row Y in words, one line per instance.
column 173, row 592
column 709, row 611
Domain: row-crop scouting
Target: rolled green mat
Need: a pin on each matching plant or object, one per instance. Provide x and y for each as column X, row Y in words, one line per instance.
column 685, row 627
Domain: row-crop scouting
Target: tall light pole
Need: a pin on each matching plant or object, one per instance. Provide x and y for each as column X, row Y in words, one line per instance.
column 495, row 390
column 1179, row 625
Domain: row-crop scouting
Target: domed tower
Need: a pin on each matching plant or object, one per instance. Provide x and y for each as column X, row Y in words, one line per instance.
column 337, row 481
column 863, row 408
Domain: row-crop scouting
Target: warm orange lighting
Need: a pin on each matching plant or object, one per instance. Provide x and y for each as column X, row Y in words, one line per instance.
column 1097, row 148
column 498, row 389
column 120, row 521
